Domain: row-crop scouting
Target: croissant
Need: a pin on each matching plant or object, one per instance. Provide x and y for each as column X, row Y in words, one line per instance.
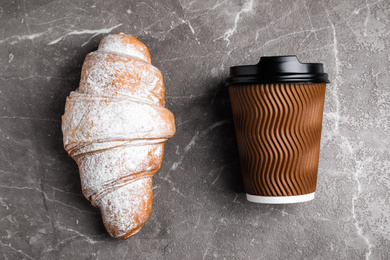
column 115, row 127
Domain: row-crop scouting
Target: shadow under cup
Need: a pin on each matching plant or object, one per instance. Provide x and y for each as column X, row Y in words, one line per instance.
column 277, row 109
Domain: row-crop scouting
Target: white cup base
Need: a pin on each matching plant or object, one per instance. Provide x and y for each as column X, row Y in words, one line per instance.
column 280, row 199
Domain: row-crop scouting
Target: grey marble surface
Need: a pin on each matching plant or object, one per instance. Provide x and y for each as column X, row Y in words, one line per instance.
column 199, row 208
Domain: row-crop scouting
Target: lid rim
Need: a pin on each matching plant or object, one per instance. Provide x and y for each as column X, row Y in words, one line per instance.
column 278, row 69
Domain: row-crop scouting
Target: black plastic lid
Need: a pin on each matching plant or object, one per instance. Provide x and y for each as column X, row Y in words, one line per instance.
column 278, row 69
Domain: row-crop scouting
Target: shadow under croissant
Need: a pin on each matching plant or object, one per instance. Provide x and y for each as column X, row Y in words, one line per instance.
column 69, row 79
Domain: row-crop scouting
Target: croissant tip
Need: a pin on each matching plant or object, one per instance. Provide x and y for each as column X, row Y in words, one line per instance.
column 130, row 233
column 125, row 210
column 125, row 43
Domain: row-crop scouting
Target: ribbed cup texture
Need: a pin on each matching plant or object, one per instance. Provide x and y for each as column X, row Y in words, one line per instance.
column 278, row 130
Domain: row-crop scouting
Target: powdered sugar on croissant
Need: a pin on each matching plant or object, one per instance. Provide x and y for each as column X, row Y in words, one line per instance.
column 115, row 127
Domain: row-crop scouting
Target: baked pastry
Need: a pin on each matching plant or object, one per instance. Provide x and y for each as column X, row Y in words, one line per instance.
column 115, row 127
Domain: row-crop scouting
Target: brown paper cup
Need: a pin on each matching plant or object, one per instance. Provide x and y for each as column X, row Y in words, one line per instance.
column 278, row 130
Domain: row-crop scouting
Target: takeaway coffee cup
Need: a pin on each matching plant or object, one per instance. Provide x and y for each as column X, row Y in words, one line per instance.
column 277, row 108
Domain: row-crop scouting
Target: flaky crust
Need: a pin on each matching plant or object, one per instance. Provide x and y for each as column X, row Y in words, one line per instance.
column 115, row 127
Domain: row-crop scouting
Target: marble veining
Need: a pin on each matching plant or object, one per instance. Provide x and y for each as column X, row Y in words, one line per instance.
column 199, row 209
